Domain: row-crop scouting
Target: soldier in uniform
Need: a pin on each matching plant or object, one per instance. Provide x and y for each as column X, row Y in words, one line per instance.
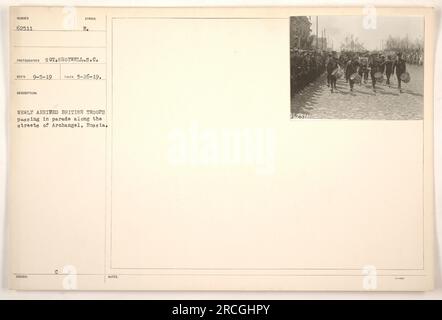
column 332, row 65
column 400, row 67
column 381, row 64
column 298, row 70
column 363, row 69
column 328, row 73
column 344, row 61
column 374, row 66
column 292, row 70
column 388, row 68
column 351, row 67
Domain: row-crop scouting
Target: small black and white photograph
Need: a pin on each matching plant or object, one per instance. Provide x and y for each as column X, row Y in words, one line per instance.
column 348, row 67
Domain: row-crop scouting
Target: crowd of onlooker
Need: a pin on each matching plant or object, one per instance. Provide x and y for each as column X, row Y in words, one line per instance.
column 306, row 66
column 414, row 57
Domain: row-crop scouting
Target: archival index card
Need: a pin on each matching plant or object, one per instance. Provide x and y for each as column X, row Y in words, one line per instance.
column 221, row 149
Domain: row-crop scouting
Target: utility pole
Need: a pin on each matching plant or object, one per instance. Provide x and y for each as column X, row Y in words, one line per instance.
column 317, row 32
column 325, row 39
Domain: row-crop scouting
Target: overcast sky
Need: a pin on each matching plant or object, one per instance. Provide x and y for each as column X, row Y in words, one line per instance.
column 337, row 27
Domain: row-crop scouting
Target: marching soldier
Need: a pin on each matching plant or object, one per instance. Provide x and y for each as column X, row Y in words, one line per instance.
column 400, row 67
column 388, row 68
column 382, row 64
column 363, row 69
column 332, row 67
column 374, row 68
column 328, row 73
column 351, row 67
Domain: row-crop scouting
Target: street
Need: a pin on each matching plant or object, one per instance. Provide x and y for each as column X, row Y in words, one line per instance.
column 316, row 101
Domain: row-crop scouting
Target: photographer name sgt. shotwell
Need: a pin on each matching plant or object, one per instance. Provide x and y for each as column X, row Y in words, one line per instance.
column 222, row 309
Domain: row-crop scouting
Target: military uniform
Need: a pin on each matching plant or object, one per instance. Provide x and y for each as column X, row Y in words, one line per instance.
column 332, row 66
column 363, row 71
column 352, row 67
column 400, row 67
column 374, row 67
column 388, row 69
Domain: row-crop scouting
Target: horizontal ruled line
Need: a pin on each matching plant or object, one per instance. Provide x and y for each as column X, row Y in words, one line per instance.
column 220, row 274
column 57, row 63
column 206, row 18
column 49, row 30
column 67, row 47
column 60, row 79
